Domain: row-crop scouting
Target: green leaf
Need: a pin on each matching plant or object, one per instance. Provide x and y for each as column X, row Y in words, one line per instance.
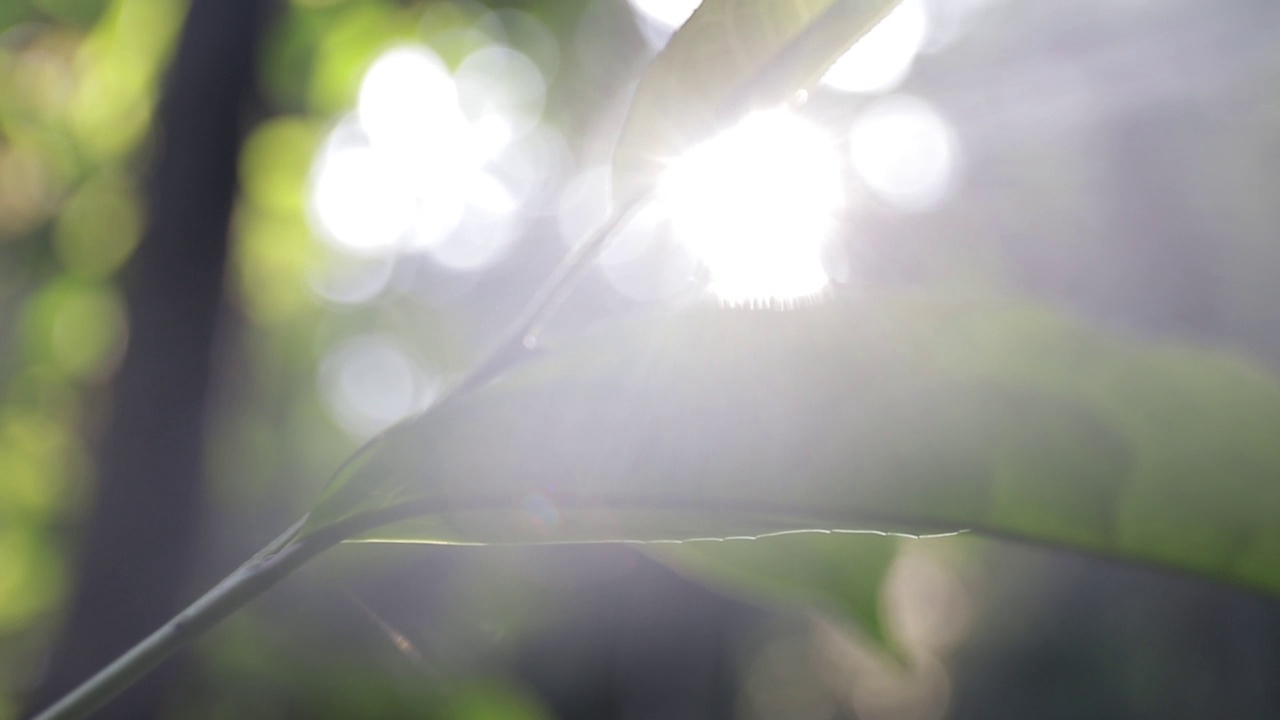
column 885, row 413
column 841, row 574
column 730, row 57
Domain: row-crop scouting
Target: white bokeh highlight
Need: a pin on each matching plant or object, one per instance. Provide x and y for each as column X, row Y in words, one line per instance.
column 408, row 103
column 368, row 383
column 905, row 151
column 357, row 199
column 426, row 151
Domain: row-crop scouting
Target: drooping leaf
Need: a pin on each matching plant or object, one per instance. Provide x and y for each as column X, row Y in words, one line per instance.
column 838, row 573
column 730, row 57
column 880, row 413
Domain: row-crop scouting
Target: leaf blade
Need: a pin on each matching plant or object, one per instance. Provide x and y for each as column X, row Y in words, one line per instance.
column 731, row 56
column 887, row 414
column 841, row 575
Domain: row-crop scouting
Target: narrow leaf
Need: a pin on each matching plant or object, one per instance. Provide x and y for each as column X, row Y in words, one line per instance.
column 730, row 57
column 841, row 574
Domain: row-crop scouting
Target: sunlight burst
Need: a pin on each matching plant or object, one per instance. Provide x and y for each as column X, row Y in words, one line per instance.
column 754, row 204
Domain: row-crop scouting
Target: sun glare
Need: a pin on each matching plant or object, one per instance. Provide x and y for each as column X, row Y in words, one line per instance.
column 754, row 204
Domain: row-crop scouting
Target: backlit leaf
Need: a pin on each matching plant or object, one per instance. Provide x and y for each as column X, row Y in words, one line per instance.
column 884, row 413
column 838, row 573
column 730, row 57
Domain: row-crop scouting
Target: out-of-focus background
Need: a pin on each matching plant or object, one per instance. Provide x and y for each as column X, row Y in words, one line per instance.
column 238, row 237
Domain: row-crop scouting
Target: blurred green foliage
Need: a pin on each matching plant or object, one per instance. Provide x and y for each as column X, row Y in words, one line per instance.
column 77, row 83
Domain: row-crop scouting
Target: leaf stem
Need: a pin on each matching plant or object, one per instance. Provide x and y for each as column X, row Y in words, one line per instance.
column 281, row 557
column 521, row 337
column 291, row 550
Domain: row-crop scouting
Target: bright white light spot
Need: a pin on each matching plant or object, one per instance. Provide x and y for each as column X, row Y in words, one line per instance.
column 754, row 205
column 882, row 59
column 905, row 151
column 493, row 197
column 408, row 103
column 490, row 135
column 357, row 200
column 399, row 170
column 369, row 383
column 408, row 107
column 429, row 151
column 440, row 212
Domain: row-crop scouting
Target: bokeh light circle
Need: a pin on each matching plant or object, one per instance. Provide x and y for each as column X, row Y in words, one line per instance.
column 905, row 151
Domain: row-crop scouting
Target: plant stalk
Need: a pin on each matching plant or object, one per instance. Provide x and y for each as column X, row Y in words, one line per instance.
column 262, row 571
column 289, row 551
column 521, row 337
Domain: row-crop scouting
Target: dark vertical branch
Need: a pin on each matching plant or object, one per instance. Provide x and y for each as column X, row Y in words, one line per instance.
column 140, row 540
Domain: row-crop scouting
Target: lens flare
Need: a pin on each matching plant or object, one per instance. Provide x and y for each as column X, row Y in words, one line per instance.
column 755, row 204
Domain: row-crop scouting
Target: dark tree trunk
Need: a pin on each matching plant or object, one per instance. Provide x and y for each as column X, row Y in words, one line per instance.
column 142, row 537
